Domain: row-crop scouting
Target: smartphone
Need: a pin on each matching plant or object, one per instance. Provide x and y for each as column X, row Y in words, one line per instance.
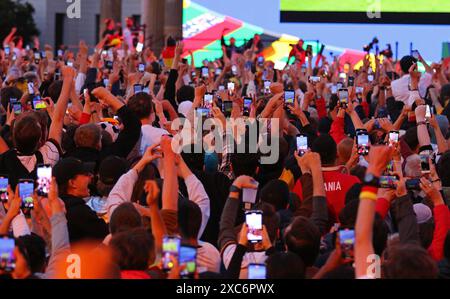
column 257, row 271
column 170, row 248
column 218, row 72
column 60, row 53
column 221, row 88
column 260, row 60
column 289, row 98
column 370, row 78
column 44, row 179
column 234, row 69
column 253, row 219
column 267, row 86
column 7, row 50
column 188, row 259
column 30, row 87
column 208, row 100
column 415, row 54
column 227, row 108
column 343, row 97
column 141, row 67
column 43, row 54
column 138, row 88
column 109, row 65
column 351, row 81
column 17, row 107
column 249, row 195
column 38, row 103
column 314, row 79
column 362, row 138
column 7, row 258
column 26, row 190
column 230, row 86
column 359, row 90
column 388, row 182
column 247, row 106
column 139, row 47
column 106, row 82
column 70, row 63
column 205, row 72
column 309, row 49
column 347, row 242
column 57, row 76
column 203, row 112
column 425, row 163
column 413, row 184
column 334, row 89
column 343, row 76
column 302, row 144
column 393, row 138
column 4, row 182
column 37, row 57
column 428, row 112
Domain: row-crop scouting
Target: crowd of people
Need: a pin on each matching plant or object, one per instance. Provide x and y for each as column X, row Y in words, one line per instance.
column 89, row 138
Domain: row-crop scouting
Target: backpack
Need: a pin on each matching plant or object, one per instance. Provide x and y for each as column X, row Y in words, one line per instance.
column 11, row 166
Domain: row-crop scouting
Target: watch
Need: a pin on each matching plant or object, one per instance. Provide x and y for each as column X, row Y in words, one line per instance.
column 371, row 180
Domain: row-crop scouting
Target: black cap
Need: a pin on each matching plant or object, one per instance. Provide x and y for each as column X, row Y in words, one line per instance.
column 406, row 62
column 69, row 168
column 111, row 169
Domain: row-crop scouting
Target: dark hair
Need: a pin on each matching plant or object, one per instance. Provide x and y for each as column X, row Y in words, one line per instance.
column 406, row 62
column 189, row 219
column 133, row 249
column 27, row 135
column 195, row 161
column 271, row 220
column 124, row 218
column 426, row 231
column 141, row 105
column 149, row 172
column 285, row 265
column 54, row 90
column 303, row 239
column 8, row 93
column 443, row 169
column 409, row 261
column 32, row 247
column 185, row 93
column 445, row 94
column 326, row 147
column 276, row 192
column 411, row 138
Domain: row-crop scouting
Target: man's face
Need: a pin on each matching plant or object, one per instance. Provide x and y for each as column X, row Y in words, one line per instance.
column 232, row 41
column 80, row 185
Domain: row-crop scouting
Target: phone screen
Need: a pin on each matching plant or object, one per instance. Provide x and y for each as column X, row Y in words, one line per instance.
column 137, row 88
column 351, row 81
column 17, row 107
column 247, row 105
column 343, row 95
column 267, row 86
column 428, row 112
column 347, row 242
column 170, row 248
column 230, row 86
column 30, row 87
column 412, row 184
column 359, row 90
column 7, row 259
column 44, row 179
column 227, row 108
column 393, row 138
column 205, row 72
column 415, row 54
column 70, row 63
column 388, row 182
column 60, row 53
column 289, row 97
column 140, row 47
column 7, row 50
column 425, row 163
column 4, row 189
column 370, row 78
column 334, row 89
column 208, row 100
column 256, row 271
column 26, row 190
column 203, row 112
column 302, row 144
column 253, row 219
column 188, row 258
column 218, row 72
column 39, row 104
column 363, row 143
column 141, row 67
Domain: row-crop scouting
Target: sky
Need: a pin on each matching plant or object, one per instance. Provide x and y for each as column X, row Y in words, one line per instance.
column 266, row 14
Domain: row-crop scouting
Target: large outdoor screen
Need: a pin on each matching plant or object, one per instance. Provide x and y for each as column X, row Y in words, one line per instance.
column 367, row 11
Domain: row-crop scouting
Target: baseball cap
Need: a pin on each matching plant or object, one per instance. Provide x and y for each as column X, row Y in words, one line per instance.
column 423, row 213
column 69, row 168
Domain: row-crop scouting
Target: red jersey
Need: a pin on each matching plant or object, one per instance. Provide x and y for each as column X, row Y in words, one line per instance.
column 337, row 185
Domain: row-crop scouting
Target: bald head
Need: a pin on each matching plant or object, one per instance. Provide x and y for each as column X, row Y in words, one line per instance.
column 344, row 150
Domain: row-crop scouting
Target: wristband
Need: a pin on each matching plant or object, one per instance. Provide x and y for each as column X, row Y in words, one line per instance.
column 420, row 123
column 233, row 188
column 369, row 192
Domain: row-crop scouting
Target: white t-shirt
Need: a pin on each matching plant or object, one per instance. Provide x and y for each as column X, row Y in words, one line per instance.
column 208, row 257
column 249, row 258
column 400, row 87
column 50, row 155
column 150, row 136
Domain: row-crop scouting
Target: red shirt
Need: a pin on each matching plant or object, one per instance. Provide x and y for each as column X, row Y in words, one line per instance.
column 336, row 185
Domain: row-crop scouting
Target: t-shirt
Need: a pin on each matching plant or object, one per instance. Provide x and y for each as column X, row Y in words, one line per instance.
column 208, row 257
column 249, row 258
column 150, row 136
column 49, row 152
column 336, row 185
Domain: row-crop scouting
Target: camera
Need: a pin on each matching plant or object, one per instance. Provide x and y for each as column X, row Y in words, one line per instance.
column 369, row 47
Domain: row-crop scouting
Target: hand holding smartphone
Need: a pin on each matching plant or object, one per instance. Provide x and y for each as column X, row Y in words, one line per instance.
column 170, row 250
column 253, row 219
column 26, row 190
column 7, row 258
column 302, row 145
column 362, row 138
